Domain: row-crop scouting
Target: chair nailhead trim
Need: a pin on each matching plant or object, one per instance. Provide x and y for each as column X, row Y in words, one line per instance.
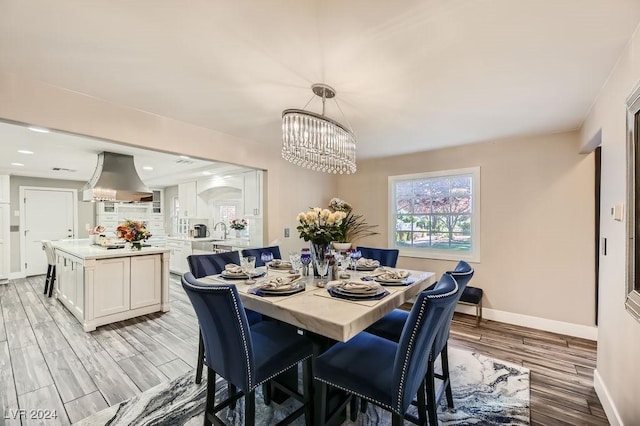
column 412, row 339
column 281, row 371
column 388, row 407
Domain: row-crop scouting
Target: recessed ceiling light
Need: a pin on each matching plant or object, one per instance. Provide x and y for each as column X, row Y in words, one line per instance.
column 147, row 168
column 38, row 129
column 185, row 157
column 25, row 151
column 17, row 164
column 206, row 173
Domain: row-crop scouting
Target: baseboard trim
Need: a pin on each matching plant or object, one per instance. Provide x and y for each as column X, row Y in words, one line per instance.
column 605, row 399
column 566, row 328
column 17, row 275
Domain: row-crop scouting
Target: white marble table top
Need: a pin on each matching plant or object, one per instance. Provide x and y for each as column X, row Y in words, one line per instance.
column 316, row 311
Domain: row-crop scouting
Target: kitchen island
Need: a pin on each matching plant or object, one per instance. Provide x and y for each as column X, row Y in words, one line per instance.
column 101, row 286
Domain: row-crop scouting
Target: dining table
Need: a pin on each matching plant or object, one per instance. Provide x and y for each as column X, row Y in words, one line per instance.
column 324, row 318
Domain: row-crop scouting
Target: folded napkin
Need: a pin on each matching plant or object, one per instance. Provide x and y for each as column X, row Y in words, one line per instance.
column 280, row 284
column 387, row 274
column 279, row 263
column 368, row 263
column 354, row 286
column 232, row 268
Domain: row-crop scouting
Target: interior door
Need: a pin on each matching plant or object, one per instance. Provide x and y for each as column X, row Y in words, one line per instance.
column 48, row 215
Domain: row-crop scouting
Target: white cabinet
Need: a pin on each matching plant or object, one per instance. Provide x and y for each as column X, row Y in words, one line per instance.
column 145, row 272
column 180, row 249
column 112, row 284
column 157, row 205
column 4, row 241
column 252, row 193
column 4, row 189
column 187, row 199
column 110, row 289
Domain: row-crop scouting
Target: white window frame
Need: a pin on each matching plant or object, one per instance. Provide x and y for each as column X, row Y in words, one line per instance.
column 429, row 253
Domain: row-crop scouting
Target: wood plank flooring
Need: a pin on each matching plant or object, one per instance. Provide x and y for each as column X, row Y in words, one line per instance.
column 47, row 362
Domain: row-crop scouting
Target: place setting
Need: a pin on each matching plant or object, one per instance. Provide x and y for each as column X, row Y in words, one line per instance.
column 388, row 276
column 278, row 286
column 246, row 271
column 356, row 290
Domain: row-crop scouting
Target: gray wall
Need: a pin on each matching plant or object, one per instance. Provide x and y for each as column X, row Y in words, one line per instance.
column 86, row 211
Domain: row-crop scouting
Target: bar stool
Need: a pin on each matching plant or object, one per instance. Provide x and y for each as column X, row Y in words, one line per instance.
column 50, row 280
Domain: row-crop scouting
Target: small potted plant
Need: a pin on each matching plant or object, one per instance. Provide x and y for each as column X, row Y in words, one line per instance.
column 352, row 227
column 238, row 225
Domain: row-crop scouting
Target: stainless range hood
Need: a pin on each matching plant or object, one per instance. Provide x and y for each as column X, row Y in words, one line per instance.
column 115, row 179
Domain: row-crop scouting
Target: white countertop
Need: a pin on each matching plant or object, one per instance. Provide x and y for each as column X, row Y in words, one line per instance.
column 232, row 242
column 82, row 249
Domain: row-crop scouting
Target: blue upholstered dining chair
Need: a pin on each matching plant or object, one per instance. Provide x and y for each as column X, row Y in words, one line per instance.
column 391, row 325
column 386, row 257
column 388, row 374
column 246, row 356
column 257, row 252
column 202, row 265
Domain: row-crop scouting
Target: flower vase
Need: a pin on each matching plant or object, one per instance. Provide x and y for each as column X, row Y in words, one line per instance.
column 318, row 252
column 238, row 233
column 136, row 245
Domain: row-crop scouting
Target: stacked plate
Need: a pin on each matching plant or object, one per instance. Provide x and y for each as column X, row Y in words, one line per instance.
column 280, row 286
column 239, row 275
column 280, row 264
column 356, row 289
column 394, row 277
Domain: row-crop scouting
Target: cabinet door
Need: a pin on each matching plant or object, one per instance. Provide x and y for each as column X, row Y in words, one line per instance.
column 146, row 280
column 187, row 198
column 112, row 286
column 252, row 193
column 158, row 200
column 4, row 189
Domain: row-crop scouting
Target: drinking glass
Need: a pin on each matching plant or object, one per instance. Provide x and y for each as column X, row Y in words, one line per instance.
column 305, row 259
column 294, row 258
column 266, row 257
column 248, row 265
column 355, row 255
column 323, row 269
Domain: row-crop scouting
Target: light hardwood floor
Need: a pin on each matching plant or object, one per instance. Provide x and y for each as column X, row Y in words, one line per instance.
column 48, row 363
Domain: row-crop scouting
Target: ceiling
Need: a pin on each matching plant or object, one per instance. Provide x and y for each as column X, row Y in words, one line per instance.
column 410, row 75
column 77, row 157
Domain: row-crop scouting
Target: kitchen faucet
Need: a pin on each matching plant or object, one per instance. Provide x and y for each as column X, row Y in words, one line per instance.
column 224, row 228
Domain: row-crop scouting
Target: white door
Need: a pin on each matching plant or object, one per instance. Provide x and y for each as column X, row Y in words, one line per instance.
column 4, row 241
column 49, row 214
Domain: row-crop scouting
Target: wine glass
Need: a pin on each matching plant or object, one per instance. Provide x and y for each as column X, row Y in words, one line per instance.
column 323, row 269
column 266, row 257
column 294, row 258
column 248, row 264
column 305, row 259
column 355, row 255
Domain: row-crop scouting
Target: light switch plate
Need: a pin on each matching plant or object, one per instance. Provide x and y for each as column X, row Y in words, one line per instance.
column 618, row 212
column 286, row 232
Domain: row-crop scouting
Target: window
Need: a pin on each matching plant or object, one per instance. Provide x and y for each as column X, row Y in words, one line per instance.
column 227, row 213
column 436, row 215
column 632, row 302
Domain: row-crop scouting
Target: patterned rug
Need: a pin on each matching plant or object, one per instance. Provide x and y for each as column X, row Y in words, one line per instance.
column 486, row 392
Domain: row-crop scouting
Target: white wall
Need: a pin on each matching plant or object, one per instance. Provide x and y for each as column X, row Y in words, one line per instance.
column 290, row 188
column 537, row 224
column 617, row 375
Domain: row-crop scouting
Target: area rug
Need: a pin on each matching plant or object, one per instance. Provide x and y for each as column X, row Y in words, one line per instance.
column 486, row 392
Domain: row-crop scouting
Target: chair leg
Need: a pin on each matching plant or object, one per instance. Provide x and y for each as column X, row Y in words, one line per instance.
column 431, row 395
column 353, row 408
column 231, row 390
column 200, row 359
column 53, row 279
column 444, row 358
column 479, row 313
column 397, row 419
column 211, row 396
column 363, row 406
column 47, row 279
column 320, row 404
column 422, row 404
column 307, row 387
column 249, row 408
column 267, row 390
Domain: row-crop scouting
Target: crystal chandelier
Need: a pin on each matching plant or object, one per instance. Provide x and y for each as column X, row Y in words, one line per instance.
column 317, row 142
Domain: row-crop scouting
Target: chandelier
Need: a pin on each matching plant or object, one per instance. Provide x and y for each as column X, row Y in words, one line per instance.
column 317, row 142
